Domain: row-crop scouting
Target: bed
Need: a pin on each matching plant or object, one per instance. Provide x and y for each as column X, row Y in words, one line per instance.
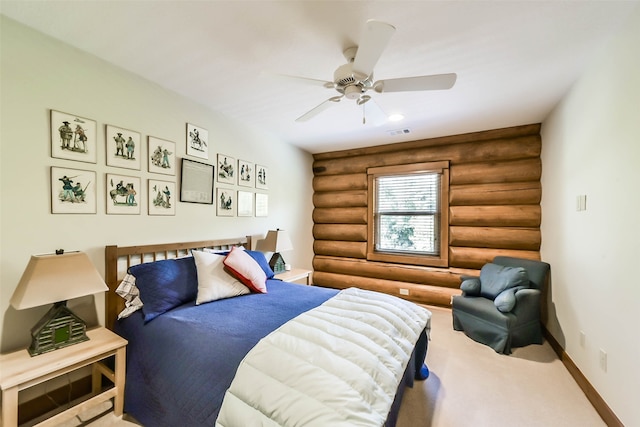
column 218, row 362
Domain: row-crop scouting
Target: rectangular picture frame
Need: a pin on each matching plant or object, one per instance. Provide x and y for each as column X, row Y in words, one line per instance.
column 73, row 191
column 226, row 169
column 123, row 194
column 262, row 177
column 73, row 137
column 245, row 203
column 196, row 182
column 197, row 141
column 161, row 197
column 225, row 203
column 246, row 173
column 262, row 204
column 161, row 156
column 122, row 147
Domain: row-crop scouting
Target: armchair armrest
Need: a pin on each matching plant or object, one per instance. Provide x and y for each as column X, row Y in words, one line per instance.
column 527, row 304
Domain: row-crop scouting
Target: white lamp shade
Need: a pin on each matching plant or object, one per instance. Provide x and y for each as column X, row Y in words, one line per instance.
column 276, row 241
column 52, row 278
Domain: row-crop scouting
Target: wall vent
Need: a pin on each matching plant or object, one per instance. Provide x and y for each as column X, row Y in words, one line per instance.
column 399, row 132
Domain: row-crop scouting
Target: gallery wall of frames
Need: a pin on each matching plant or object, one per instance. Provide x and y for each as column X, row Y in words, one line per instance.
column 232, row 186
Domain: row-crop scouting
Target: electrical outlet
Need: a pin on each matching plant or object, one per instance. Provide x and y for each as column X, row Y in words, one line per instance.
column 583, row 339
column 404, row 291
column 603, row 360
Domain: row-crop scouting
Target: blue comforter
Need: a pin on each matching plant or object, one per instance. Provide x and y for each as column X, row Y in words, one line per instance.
column 180, row 364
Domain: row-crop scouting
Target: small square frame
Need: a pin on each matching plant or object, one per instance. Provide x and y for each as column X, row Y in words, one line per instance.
column 225, row 205
column 161, row 156
column 196, row 183
column 121, row 145
column 161, row 195
column 73, row 191
column 262, row 177
column 226, row 169
column 197, row 141
column 246, row 175
column 245, row 203
column 73, row 137
column 123, row 194
column 262, row 204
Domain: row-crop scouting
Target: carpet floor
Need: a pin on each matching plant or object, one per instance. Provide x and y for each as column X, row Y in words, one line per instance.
column 470, row 385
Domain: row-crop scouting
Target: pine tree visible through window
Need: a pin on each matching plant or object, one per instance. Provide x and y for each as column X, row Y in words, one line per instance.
column 407, row 212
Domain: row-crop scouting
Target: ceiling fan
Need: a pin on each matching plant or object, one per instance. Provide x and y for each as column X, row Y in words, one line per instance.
column 353, row 79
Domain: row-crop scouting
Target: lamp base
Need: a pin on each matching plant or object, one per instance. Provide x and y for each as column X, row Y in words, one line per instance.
column 60, row 327
column 277, row 263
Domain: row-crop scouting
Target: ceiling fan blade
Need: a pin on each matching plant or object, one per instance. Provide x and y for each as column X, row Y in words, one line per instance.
column 374, row 40
column 433, row 82
column 305, row 80
column 319, row 109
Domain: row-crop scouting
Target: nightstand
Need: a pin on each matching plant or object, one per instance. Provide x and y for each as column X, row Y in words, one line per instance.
column 295, row 275
column 21, row 371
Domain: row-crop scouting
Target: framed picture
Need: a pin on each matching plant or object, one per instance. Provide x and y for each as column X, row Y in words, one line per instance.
column 245, row 203
column 162, row 156
column 262, row 204
column 261, row 177
column 123, row 195
column 226, row 169
column 197, row 141
column 245, row 173
column 73, row 137
column 161, row 197
column 196, row 184
column 226, row 205
column 73, row 191
column 123, row 148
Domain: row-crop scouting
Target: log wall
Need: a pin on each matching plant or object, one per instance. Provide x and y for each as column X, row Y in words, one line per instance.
column 494, row 209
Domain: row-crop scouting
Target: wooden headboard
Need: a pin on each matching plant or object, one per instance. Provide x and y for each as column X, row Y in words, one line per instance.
column 119, row 258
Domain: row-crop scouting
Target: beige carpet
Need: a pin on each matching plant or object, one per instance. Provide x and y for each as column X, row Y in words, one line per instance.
column 471, row 385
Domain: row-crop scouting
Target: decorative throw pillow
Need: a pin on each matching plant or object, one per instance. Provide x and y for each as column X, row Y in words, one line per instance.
column 214, row 282
column 471, row 286
column 246, row 269
column 128, row 290
column 496, row 278
column 506, row 301
column 165, row 284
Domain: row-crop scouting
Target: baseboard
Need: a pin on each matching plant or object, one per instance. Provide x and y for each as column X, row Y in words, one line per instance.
column 608, row 416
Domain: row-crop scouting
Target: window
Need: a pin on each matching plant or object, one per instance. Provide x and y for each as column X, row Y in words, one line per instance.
column 408, row 214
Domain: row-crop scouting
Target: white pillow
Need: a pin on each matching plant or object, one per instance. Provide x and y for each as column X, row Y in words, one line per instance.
column 214, row 282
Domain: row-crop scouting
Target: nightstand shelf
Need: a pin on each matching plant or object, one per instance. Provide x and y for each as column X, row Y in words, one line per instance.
column 295, row 275
column 21, row 371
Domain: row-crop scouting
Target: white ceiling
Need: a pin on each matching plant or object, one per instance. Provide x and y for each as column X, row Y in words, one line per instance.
column 514, row 59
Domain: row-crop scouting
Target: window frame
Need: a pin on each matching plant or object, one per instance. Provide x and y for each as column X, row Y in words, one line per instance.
column 441, row 260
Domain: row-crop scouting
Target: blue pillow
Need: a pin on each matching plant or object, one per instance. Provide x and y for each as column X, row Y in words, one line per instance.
column 496, row 278
column 165, row 284
column 262, row 262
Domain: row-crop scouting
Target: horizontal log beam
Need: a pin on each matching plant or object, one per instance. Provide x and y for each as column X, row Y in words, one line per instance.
column 496, row 216
column 494, row 172
column 345, row 232
column 528, row 239
column 356, row 181
column 475, row 258
column 340, row 199
column 508, row 193
column 340, row 215
column 340, row 248
column 423, row 294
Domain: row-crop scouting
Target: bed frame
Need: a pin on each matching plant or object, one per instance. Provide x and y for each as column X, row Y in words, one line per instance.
column 119, row 258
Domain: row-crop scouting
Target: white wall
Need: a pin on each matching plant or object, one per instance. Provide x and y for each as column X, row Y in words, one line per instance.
column 39, row 74
column 591, row 146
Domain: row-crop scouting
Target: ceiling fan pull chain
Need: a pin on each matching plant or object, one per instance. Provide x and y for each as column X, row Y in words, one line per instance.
column 363, row 115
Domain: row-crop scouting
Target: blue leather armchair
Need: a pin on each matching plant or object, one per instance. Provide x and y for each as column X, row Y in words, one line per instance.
column 506, row 313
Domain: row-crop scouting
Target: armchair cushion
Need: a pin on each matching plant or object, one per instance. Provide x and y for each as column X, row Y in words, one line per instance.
column 471, row 286
column 506, row 300
column 494, row 279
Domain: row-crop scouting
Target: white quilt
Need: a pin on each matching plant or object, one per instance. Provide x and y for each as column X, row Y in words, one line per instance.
column 339, row 364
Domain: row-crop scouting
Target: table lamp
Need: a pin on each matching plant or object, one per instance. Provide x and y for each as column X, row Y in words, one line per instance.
column 276, row 241
column 56, row 278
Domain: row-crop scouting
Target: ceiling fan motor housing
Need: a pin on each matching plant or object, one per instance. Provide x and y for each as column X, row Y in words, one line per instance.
column 349, row 84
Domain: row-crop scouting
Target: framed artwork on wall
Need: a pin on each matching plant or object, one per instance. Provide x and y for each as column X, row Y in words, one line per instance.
column 73, row 191
column 197, row 141
column 245, row 203
column 162, row 156
column 123, row 148
column 73, row 137
column 262, row 204
column 226, row 205
column 226, row 169
column 123, row 195
column 245, row 173
column 196, row 184
column 262, row 177
column 161, row 197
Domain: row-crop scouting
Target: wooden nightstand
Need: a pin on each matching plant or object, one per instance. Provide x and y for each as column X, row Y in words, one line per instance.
column 20, row 371
column 295, row 275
